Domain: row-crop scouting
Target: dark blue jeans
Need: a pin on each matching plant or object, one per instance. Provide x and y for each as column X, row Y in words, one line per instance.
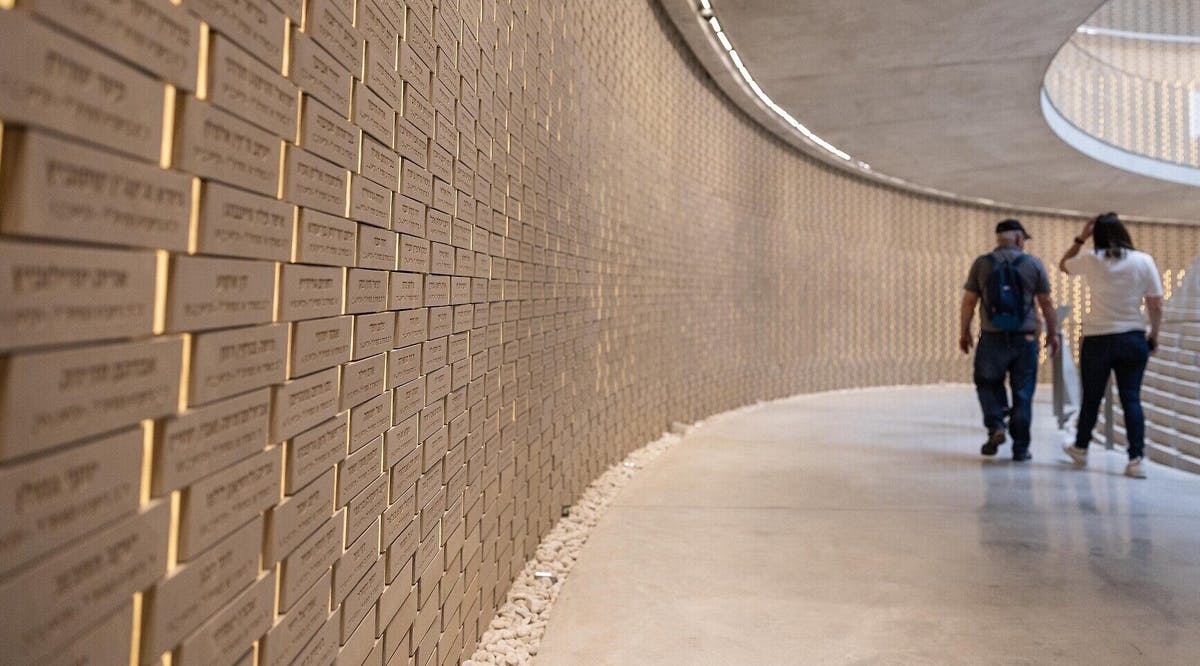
column 1125, row 355
column 1012, row 355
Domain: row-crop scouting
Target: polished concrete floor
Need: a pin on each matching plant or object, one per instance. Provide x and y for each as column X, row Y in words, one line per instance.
column 862, row 527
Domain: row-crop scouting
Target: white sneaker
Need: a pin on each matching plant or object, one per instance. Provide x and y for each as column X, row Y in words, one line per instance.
column 1135, row 469
column 1077, row 455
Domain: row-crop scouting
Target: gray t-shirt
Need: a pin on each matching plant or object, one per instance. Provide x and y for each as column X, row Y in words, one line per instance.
column 1033, row 278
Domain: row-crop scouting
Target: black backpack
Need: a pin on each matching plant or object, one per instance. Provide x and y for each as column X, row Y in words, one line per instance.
column 1006, row 303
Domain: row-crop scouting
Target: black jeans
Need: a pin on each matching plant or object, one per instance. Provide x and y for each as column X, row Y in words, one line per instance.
column 1125, row 355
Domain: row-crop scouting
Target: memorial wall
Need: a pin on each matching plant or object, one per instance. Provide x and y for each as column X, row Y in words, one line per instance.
column 314, row 314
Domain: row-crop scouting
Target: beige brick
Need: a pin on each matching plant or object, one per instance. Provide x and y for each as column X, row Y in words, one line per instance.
column 225, row 363
column 56, row 499
column 105, row 570
column 55, row 397
column 310, row 561
column 310, row 292
column 300, row 404
column 363, row 380
column 251, row 90
column 314, row 451
column 213, row 143
column 59, row 83
column 257, row 27
column 51, row 295
column 218, row 504
column 59, row 189
column 235, row 628
column 206, row 293
column 297, row 517
column 198, row 442
column 238, row 223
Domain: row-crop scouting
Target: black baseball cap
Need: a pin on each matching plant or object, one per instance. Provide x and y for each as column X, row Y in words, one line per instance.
column 1011, row 225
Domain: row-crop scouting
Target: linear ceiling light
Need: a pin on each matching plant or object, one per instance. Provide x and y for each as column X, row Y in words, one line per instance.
column 707, row 13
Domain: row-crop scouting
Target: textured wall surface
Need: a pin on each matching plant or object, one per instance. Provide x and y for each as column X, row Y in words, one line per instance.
column 316, row 312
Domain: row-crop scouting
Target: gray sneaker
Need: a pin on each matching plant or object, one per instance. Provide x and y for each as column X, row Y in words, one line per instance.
column 1076, row 454
column 1135, row 469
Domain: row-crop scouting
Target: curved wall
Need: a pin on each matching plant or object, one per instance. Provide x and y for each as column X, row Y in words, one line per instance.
column 305, row 366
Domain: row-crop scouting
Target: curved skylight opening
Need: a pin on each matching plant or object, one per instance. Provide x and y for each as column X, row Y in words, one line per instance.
column 1125, row 89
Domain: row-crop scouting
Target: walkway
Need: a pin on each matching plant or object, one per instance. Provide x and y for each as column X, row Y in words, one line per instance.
column 863, row 527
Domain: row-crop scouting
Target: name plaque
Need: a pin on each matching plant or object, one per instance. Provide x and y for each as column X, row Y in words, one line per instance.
column 373, row 334
column 216, row 505
column 59, row 189
column 309, row 613
column 313, row 182
column 162, row 38
column 327, row 239
column 418, row 111
column 441, row 162
column 359, row 604
column 399, row 454
column 412, row 143
column 377, row 248
column 235, row 628
column 225, row 363
column 254, row 24
column 441, row 322
column 443, row 196
column 319, row 74
column 318, row 344
column 327, row 133
column 69, row 591
column 331, row 28
column 404, row 365
column 353, row 563
column 238, row 223
column 463, row 318
column 207, row 293
column 54, row 294
column 439, row 226
column 419, row 34
column 310, row 561
column 312, row 452
column 55, row 499
column 198, row 442
column 375, row 116
column 55, row 397
column 370, row 202
column 405, row 291
column 216, row 144
column 414, row 71
column 408, row 399
column 381, row 74
column 179, row 603
column 441, row 261
column 369, row 420
column 437, row 290
column 362, row 380
column 310, row 292
column 295, row 518
column 56, row 82
column 437, row 383
column 251, row 89
column 414, row 254
column 460, row 290
column 366, row 290
column 411, row 327
column 365, row 509
column 408, row 216
column 300, row 404
column 357, row 471
column 416, row 182
column 380, row 163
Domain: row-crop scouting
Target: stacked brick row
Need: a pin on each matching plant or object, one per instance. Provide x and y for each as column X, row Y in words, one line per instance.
column 317, row 312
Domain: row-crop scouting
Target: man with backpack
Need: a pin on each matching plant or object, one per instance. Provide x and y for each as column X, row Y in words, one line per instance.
column 1005, row 283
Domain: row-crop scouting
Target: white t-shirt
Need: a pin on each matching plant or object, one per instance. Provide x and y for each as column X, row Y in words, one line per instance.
column 1118, row 286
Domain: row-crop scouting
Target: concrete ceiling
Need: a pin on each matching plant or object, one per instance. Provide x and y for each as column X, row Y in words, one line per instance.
column 943, row 94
